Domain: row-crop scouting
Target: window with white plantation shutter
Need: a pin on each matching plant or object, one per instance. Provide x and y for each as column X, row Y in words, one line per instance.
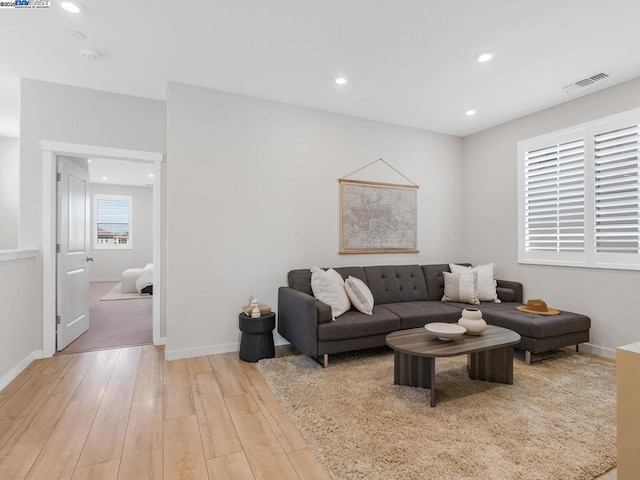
column 554, row 198
column 616, row 191
column 579, row 195
column 112, row 221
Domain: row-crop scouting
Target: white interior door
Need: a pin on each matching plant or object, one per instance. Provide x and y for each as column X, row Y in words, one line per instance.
column 73, row 247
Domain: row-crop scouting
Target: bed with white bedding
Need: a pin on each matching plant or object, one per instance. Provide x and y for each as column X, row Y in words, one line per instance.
column 144, row 283
column 138, row 280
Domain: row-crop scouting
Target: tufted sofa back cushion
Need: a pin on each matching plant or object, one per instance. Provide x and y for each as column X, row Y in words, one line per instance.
column 396, row 283
column 300, row 280
column 357, row 272
column 389, row 284
column 435, row 279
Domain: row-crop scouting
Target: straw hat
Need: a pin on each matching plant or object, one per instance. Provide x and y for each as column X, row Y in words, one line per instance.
column 538, row 306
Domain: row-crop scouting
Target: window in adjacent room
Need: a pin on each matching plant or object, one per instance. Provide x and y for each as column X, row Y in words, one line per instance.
column 579, row 195
column 112, row 221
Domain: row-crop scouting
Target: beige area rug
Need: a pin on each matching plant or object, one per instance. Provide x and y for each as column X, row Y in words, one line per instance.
column 116, row 294
column 557, row 421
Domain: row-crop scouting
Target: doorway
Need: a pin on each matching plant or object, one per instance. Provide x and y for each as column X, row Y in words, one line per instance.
column 51, row 150
column 119, row 255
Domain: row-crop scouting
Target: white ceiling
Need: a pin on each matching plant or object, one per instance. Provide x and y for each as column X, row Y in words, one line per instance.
column 409, row 62
column 121, row 172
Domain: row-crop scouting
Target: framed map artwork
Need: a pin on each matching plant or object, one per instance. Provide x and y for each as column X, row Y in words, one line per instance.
column 377, row 217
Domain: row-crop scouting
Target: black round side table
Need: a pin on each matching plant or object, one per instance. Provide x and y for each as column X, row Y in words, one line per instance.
column 257, row 339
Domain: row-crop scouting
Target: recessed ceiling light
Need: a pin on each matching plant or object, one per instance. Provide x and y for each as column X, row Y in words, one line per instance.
column 468, row 113
column 70, row 7
column 105, row 178
column 341, row 80
column 484, row 56
column 150, row 175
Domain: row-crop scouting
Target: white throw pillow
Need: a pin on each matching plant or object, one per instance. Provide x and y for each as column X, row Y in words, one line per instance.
column 359, row 294
column 486, row 283
column 461, row 287
column 328, row 287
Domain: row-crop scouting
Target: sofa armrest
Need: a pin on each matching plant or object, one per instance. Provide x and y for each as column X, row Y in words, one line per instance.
column 509, row 291
column 325, row 315
column 298, row 317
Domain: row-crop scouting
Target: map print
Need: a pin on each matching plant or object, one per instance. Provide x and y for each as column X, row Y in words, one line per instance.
column 378, row 218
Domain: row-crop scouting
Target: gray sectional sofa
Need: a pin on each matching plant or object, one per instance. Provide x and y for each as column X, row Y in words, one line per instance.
column 409, row 296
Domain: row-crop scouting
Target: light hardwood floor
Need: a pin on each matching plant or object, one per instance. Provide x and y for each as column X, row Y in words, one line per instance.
column 127, row 414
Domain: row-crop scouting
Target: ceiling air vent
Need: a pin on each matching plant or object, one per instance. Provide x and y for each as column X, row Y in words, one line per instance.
column 585, row 82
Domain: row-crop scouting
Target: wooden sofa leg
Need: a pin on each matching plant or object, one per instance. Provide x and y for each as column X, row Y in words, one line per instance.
column 577, row 348
column 527, row 357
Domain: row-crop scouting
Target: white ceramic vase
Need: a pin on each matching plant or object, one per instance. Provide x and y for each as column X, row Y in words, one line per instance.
column 472, row 320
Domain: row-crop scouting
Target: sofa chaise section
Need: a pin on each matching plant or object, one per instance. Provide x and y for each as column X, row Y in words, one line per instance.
column 538, row 333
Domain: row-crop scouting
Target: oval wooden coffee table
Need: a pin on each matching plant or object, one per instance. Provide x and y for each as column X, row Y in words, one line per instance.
column 489, row 356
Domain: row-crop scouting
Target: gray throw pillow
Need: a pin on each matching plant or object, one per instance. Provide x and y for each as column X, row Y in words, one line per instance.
column 461, row 287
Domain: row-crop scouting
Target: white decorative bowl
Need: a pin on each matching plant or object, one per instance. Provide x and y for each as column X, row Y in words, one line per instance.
column 445, row 331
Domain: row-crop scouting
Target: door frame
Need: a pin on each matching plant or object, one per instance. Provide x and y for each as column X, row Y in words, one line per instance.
column 50, row 150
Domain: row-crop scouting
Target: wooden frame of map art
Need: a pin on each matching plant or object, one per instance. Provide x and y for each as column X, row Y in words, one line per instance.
column 378, row 217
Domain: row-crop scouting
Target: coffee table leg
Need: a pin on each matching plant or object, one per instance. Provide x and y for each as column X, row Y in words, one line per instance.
column 414, row 371
column 494, row 365
column 432, row 374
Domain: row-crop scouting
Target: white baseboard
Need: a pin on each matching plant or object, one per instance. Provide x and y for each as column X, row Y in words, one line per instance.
column 201, row 351
column 597, row 350
column 15, row 371
column 210, row 350
column 279, row 341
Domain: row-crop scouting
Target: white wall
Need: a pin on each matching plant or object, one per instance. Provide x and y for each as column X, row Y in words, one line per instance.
column 609, row 297
column 20, row 321
column 109, row 264
column 61, row 113
column 9, row 192
column 252, row 192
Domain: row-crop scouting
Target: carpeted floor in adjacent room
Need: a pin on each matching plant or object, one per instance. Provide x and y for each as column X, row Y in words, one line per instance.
column 115, row 323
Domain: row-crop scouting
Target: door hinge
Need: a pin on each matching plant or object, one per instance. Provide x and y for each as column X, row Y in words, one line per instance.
column 58, row 248
column 58, row 176
column 58, row 320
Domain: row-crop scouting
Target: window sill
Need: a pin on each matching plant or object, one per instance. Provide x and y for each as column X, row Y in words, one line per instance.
column 597, row 266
